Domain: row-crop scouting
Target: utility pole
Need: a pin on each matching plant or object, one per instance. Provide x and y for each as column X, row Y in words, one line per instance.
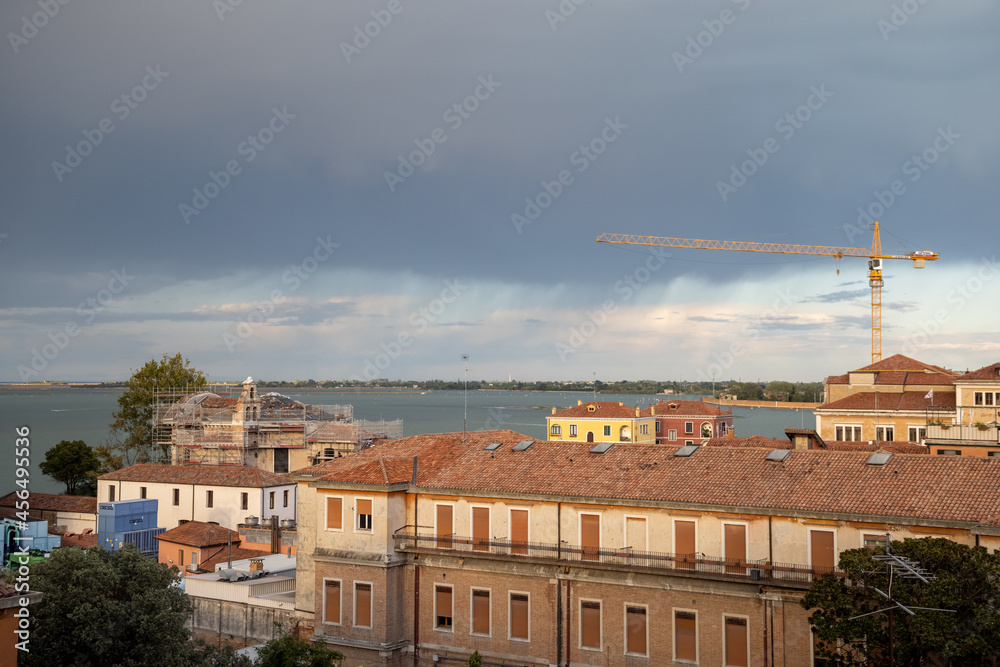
column 465, row 416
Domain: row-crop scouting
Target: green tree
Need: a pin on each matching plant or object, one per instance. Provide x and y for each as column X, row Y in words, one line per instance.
column 101, row 608
column 475, row 660
column 967, row 581
column 130, row 440
column 290, row 651
column 779, row 391
column 745, row 391
column 73, row 463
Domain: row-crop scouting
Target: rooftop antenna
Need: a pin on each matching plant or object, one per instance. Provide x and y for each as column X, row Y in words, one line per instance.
column 465, row 418
column 595, row 386
column 907, row 569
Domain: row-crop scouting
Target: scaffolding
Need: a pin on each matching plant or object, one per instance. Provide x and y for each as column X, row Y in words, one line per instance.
column 232, row 424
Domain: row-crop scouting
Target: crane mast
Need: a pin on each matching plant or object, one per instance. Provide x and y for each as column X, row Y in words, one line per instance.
column 874, row 255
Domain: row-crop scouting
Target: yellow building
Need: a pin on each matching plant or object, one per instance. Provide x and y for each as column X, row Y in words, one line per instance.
column 601, row 421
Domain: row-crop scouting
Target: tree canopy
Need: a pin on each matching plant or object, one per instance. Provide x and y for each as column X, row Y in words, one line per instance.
column 74, row 463
column 132, row 429
column 967, row 582
column 290, row 651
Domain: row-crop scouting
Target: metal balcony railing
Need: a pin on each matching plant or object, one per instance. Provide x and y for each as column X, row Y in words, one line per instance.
column 407, row 539
column 963, row 432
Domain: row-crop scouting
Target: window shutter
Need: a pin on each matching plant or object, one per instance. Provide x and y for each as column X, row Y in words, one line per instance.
column 590, row 535
column 335, row 513
column 481, row 612
column 590, row 624
column 332, row 602
column 736, row 642
column 480, row 528
column 518, row 616
column 519, row 531
column 363, row 612
column 635, row 620
column 685, row 636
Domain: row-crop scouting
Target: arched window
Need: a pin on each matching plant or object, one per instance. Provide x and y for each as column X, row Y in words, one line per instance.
column 706, row 430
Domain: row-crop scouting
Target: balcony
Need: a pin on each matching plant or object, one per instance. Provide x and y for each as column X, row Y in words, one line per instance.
column 686, row 565
column 963, row 432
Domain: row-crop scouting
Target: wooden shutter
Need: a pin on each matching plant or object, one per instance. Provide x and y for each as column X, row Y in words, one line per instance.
column 332, row 606
column 363, row 610
column 335, row 513
column 480, row 528
column 821, row 542
column 635, row 533
column 481, row 612
column 590, row 624
column 736, row 547
column 590, row 535
column 444, row 526
column 442, row 598
column 685, row 636
column 518, row 616
column 364, row 506
column 684, row 542
column 519, row 531
column 736, row 642
column 635, row 630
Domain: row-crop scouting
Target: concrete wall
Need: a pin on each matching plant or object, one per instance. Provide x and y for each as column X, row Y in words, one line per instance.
column 243, row 621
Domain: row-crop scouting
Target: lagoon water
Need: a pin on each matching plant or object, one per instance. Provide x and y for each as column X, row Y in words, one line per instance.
column 83, row 414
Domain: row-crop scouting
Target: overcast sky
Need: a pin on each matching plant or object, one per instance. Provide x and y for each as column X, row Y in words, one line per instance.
column 371, row 189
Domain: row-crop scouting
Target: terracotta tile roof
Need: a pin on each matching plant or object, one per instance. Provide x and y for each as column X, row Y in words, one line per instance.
column 78, row 540
column 199, row 534
column 963, row 489
column 894, row 447
column 838, row 379
column 203, row 475
column 6, row 590
column 907, row 400
column 221, row 556
column 683, row 409
column 51, row 502
column 605, row 410
column 899, row 362
column 758, row 441
column 991, row 372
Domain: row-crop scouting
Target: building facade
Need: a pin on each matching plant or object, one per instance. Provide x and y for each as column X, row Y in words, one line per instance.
column 600, row 421
column 689, row 422
column 555, row 553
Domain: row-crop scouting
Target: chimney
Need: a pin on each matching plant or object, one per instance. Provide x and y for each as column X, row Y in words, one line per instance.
column 652, row 410
column 256, row 564
column 579, row 402
column 637, row 411
column 620, row 404
column 553, row 409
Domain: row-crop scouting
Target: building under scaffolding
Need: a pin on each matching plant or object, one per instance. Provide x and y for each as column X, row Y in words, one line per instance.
column 240, row 426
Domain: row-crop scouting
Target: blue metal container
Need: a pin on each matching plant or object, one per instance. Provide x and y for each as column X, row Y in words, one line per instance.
column 144, row 540
column 123, row 516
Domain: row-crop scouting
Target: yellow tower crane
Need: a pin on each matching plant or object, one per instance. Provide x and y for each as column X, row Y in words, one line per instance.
column 874, row 256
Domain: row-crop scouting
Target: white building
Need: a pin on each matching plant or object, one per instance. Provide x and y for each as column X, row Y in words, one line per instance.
column 213, row 494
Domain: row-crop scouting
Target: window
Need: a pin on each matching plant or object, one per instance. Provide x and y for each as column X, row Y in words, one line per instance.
column 209, row 499
column 480, row 612
column 672, row 434
column 111, row 494
column 657, row 427
column 480, row 528
column 271, row 495
column 442, row 608
column 607, row 431
column 873, row 541
column 706, row 430
column 734, row 537
column 180, row 557
column 364, row 510
column 822, row 550
column 643, row 429
column 736, row 637
column 917, row 434
column 244, row 501
column 331, row 601
column 590, row 535
column 519, row 616
column 884, row 433
column 177, row 497
column 572, row 430
column 723, row 428
column 142, row 492
column 689, row 442
column 519, row 531
column 556, row 429
column 363, row 605
column 444, row 525
column 993, row 454
column 284, row 499
column 590, row 624
column 686, row 635
column 635, row 630
column 688, row 428
column 334, row 513
column 685, row 543
column 978, row 398
column 194, row 558
column 847, row 433
column 635, row 533
column 949, row 452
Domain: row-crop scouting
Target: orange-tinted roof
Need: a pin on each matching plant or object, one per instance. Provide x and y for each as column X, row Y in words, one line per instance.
column 220, row 556
column 604, row 410
column 203, row 475
column 758, row 441
column 199, row 534
column 683, row 409
column 991, row 372
column 907, row 400
column 899, row 362
column 55, row 503
column 964, row 489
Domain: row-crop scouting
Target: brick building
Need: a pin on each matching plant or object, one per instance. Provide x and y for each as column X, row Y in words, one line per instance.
column 423, row 549
column 690, row 422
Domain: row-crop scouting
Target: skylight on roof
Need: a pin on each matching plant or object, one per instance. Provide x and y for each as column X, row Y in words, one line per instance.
column 492, row 447
column 601, row 447
column 523, row 445
column 879, row 458
column 686, row 450
column 778, row 454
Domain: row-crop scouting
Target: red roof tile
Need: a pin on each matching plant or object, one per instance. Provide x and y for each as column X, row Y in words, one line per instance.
column 899, row 362
column 838, row 379
column 221, row 556
column 907, row 400
column 199, row 534
column 203, row 475
column 683, row 409
column 51, row 502
column 604, row 410
column 964, row 489
column 758, row 441
column 991, row 372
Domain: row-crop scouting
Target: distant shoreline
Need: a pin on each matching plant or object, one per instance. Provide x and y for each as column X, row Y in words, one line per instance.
column 776, row 405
